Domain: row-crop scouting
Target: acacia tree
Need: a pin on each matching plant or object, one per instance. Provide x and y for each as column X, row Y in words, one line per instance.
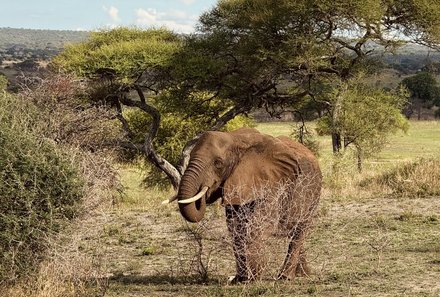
column 134, row 72
column 276, row 54
column 367, row 116
column 119, row 64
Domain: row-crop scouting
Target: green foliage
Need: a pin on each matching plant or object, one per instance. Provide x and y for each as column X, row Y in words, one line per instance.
column 125, row 52
column 174, row 132
column 364, row 116
column 423, row 86
column 39, row 188
column 239, row 122
column 249, row 54
column 149, row 250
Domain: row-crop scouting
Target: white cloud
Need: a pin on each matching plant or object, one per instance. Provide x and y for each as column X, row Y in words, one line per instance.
column 113, row 12
column 187, row 2
column 175, row 20
column 146, row 17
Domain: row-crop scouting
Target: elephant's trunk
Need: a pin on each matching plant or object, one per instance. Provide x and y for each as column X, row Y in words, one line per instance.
column 189, row 187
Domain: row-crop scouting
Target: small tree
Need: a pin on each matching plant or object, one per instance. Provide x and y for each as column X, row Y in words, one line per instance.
column 366, row 117
column 425, row 92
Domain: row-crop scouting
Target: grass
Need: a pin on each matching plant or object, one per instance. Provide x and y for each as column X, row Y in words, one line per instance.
column 422, row 140
column 135, row 196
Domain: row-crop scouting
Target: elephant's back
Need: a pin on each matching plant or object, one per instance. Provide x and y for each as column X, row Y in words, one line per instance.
column 307, row 161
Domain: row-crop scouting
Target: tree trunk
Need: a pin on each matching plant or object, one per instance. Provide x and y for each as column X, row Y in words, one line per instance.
column 336, row 135
column 359, row 159
column 336, row 142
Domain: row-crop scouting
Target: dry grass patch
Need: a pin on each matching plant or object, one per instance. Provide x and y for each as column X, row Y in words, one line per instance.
column 419, row 178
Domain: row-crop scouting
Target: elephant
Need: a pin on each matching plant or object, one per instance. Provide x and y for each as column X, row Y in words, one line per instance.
column 247, row 169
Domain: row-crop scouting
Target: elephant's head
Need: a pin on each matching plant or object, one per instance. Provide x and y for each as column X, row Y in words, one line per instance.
column 230, row 165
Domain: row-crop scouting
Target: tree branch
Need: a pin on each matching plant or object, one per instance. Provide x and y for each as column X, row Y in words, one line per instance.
column 123, row 121
column 172, row 173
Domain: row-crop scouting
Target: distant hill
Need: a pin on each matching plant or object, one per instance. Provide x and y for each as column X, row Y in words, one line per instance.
column 39, row 39
column 20, row 45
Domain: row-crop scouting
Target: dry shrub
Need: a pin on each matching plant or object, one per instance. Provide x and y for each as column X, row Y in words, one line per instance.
column 39, row 189
column 419, row 178
column 341, row 177
column 67, row 270
column 103, row 187
column 206, row 251
column 78, row 131
column 61, row 276
column 67, row 115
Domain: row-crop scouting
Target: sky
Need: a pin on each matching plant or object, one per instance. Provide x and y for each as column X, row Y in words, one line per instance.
column 177, row 15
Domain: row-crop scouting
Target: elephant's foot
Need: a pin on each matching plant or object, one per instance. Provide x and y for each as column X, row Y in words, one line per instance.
column 285, row 276
column 286, row 273
column 238, row 279
column 302, row 269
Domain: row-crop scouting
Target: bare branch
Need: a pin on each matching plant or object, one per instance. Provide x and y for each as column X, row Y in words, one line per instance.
column 171, row 171
column 123, row 121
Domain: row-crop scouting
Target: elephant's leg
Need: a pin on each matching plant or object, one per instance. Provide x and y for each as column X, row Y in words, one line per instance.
column 302, row 268
column 293, row 256
column 245, row 247
column 254, row 246
column 236, row 228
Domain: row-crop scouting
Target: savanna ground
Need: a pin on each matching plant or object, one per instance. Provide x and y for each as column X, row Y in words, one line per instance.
column 365, row 242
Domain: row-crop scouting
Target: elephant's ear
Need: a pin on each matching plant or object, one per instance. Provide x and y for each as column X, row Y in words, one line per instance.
column 262, row 165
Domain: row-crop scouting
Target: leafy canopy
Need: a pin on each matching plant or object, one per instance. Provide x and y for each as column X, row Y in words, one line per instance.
column 126, row 63
column 249, row 54
column 125, row 52
column 423, row 86
column 260, row 46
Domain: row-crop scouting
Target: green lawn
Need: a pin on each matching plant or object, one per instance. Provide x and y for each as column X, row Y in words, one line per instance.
column 421, row 140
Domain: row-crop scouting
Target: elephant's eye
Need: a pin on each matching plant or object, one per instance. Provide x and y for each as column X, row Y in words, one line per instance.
column 218, row 163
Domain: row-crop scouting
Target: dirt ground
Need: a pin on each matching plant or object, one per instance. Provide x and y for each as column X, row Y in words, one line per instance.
column 374, row 247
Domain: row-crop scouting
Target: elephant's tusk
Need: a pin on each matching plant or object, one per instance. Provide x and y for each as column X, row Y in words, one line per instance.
column 196, row 197
column 169, row 200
